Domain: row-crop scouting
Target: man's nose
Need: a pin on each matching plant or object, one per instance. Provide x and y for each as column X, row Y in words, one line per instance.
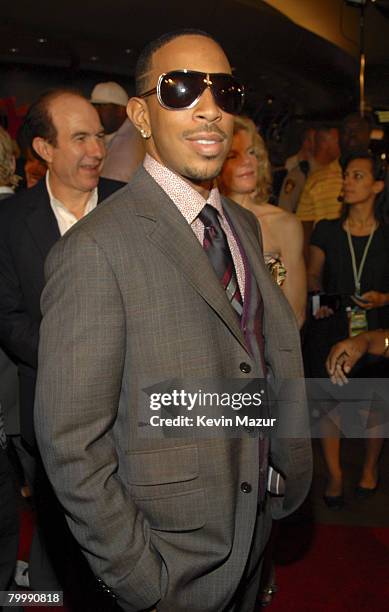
column 96, row 148
column 206, row 108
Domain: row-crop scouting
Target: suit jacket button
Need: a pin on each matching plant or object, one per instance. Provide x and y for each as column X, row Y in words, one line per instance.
column 245, row 367
column 246, row 487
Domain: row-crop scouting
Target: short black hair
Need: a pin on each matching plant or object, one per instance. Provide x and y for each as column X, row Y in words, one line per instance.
column 38, row 122
column 379, row 166
column 143, row 64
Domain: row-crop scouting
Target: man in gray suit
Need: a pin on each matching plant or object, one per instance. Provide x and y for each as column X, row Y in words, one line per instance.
column 133, row 295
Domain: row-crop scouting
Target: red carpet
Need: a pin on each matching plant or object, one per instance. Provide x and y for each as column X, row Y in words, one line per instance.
column 26, row 524
column 342, row 569
column 320, row 568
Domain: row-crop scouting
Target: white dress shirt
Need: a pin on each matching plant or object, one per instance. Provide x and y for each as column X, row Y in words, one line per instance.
column 65, row 218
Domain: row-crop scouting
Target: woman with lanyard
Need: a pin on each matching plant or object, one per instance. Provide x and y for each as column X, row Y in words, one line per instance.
column 349, row 261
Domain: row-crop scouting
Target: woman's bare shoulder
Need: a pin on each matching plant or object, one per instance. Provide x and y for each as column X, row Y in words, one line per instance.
column 280, row 217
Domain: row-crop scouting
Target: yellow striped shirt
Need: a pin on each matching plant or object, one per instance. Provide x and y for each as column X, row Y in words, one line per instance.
column 319, row 199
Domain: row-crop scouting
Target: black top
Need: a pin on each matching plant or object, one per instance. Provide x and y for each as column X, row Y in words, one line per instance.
column 338, row 276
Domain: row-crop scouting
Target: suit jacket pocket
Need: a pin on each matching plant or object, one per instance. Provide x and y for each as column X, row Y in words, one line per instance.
column 164, row 485
column 167, row 465
column 179, row 512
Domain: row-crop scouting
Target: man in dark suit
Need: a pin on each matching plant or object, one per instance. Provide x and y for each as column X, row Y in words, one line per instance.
column 65, row 131
column 167, row 281
column 9, row 523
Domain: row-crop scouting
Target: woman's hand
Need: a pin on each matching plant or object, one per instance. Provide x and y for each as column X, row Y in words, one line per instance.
column 323, row 312
column 371, row 299
column 344, row 355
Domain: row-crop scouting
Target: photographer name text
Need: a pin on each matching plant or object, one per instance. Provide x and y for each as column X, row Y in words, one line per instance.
column 204, row 421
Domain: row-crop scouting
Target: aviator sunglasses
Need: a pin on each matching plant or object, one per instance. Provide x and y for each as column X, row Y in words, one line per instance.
column 181, row 89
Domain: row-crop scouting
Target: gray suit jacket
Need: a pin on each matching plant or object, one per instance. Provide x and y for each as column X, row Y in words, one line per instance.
column 131, row 297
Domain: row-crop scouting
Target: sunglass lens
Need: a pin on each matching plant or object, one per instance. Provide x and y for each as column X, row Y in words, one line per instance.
column 228, row 93
column 179, row 89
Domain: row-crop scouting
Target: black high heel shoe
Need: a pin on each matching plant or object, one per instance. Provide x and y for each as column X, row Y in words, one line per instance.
column 365, row 492
column 334, row 502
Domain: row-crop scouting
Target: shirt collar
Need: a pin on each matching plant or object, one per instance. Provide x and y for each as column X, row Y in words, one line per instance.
column 336, row 165
column 188, row 201
column 91, row 203
column 6, row 189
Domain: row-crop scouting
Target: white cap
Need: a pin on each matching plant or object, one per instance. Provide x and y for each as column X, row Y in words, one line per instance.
column 109, row 93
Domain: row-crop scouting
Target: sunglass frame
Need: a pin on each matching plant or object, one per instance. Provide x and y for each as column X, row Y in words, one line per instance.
column 207, row 78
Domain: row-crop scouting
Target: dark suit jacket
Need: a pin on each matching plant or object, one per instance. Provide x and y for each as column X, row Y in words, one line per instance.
column 131, row 300
column 28, row 230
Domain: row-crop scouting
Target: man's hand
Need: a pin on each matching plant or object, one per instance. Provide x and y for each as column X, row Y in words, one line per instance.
column 343, row 356
column 371, row 299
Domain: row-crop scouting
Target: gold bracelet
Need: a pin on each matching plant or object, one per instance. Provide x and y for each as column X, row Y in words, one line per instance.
column 386, row 346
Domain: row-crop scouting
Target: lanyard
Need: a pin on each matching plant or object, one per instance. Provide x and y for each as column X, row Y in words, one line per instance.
column 358, row 273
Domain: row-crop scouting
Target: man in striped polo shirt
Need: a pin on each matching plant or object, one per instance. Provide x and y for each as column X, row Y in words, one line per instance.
column 321, row 197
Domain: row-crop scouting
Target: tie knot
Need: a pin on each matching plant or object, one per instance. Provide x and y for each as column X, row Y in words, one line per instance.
column 209, row 216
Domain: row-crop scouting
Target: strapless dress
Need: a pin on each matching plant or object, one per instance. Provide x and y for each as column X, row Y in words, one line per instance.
column 275, row 267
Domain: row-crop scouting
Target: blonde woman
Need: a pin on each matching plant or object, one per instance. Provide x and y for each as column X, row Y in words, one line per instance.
column 246, row 179
column 8, row 178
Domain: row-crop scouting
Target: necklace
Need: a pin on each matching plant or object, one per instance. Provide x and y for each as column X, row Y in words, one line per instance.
column 358, row 272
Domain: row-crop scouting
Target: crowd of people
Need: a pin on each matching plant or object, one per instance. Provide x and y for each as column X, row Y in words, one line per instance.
column 186, row 272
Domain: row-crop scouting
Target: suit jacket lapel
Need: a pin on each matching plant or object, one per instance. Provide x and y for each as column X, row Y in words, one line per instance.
column 172, row 235
column 41, row 221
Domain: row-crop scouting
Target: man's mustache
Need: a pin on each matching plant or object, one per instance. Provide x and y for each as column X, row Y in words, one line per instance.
column 211, row 129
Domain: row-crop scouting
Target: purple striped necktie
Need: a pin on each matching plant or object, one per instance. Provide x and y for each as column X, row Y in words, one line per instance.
column 216, row 246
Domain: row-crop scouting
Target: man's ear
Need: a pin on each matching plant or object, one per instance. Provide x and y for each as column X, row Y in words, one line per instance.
column 43, row 148
column 138, row 114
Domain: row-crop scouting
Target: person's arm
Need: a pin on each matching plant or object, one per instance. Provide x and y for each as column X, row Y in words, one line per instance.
column 344, row 355
column 291, row 190
column 19, row 333
column 314, row 273
column 81, row 360
column 307, row 230
column 306, row 213
column 295, row 285
column 315, row 268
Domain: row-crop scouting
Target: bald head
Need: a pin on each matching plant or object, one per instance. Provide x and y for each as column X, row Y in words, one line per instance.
column 75, row 150
column 39, row 122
